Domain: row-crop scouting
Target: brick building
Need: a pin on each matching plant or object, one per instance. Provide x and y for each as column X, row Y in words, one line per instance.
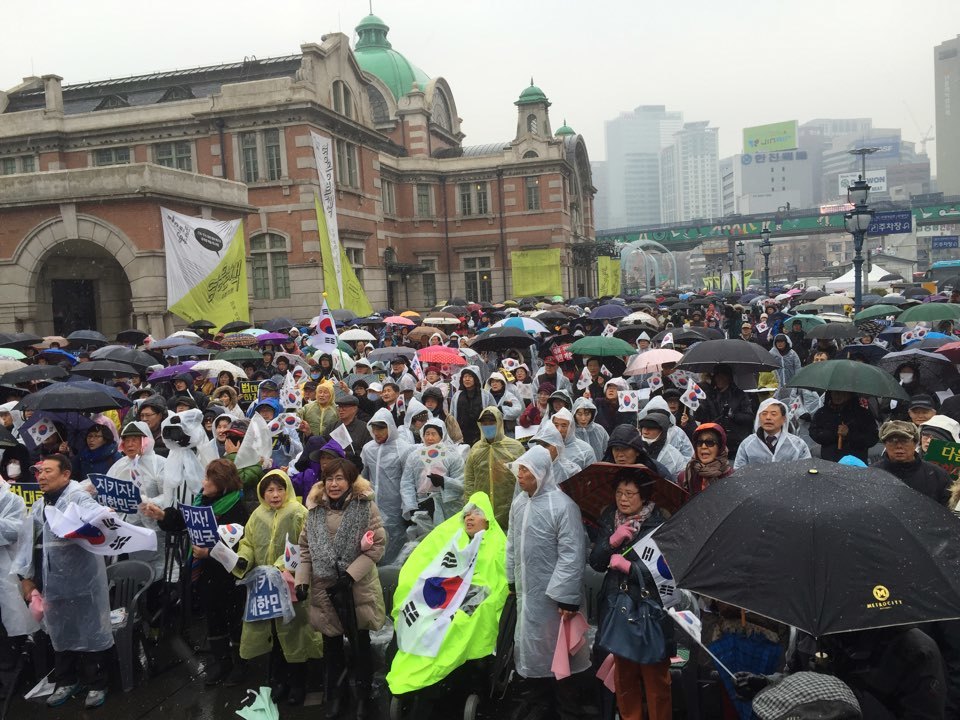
column 84, row 169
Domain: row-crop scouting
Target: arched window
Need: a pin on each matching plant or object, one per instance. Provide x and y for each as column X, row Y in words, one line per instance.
column 378, row 105
column 532, row 124
column 530, row 154
column 343, row 99
column 441, row 111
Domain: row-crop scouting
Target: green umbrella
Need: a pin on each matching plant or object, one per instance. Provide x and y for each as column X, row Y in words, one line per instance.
column 598, row 346
column 931, row 312
column 807, row 322
column 876, row 311
column 849, row 376
column 235, row 354
column 11, row 353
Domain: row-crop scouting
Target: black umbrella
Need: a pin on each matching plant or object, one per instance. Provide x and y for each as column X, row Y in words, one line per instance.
column 848, row 376
column 630, row 333
column 19, row 340
column 280, row 324
column 934, row 371
column 502, row 338
column 386, row 354
column 681, row 336
column 131, row 337
column 823, row 547
column 87, row 338
column 460, row 301
column 458, row 310
column 915, row 292
column 104, row 369
column 890, row 277
column 7, row 440
column 33, row 373
column 895, row 300
column 741, row 355
column 582, row 301
column 119, row 353
column 70, row 397
column 811, row 295
column 201, row 325
column 834, row 331
column 235, row 326
column 342, row 316
column 869, row 353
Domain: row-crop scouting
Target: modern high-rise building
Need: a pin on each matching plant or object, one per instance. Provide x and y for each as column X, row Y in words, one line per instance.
column 690, row 175
column 766, row 182
column 634, row 142
column 946, row 73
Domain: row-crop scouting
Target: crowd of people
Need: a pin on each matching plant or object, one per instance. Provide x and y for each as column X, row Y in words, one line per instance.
column 439, row 455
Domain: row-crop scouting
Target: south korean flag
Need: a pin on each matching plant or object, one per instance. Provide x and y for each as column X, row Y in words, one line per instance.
column 647, row 551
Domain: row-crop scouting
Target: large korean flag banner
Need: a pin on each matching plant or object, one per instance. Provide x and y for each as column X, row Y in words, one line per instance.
column 206, row 268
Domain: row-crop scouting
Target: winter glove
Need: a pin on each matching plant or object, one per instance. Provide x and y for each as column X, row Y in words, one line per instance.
column 622, row 534
column 427, row 506
column 301, row 592
column 436, row 479
column 620, row 563
column 512, row 588
column 344, row 582
column 747, row 685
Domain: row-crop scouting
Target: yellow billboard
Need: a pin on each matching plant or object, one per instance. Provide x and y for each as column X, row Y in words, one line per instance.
column 775, row 137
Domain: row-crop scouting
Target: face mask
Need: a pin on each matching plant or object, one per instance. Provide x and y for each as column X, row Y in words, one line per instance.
column 13, row 469
column 489, row 431
column 906, row 377
column 314, row 376
column 648, row 441
column 373, row 396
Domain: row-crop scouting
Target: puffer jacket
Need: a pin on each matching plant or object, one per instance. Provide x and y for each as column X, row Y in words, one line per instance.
column 924, row 477
column 367, row 593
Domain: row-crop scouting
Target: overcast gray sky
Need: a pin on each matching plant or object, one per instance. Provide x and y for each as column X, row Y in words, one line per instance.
column 734, row 62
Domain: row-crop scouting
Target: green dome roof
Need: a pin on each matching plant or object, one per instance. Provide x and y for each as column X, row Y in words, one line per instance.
column 377, row 57
column 532, row 95
column 564, row 130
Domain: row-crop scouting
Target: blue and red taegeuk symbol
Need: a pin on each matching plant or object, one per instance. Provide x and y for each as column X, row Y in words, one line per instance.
column 433, row 453
column 87, row 532
column 664, row 569
column 438, row 591
column 325, row 326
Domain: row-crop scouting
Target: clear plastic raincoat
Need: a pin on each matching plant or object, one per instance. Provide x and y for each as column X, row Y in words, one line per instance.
column 546, row 556
column 17, row 619
column 563, row 468
column 577, row 451
column 754, row 451
column 485, row 469
column 263, row 543
column 676, row 437
column 593, row 434
column 383, row 467
column 423, row 459
column 414, row 408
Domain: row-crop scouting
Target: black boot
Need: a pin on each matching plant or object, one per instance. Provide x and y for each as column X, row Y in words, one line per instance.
column 333, row 689
column 297, row 680
column 366, row 708
column 237, row 675
column 221, row 663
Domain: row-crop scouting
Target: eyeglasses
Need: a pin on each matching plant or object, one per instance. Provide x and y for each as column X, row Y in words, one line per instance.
column 148, row 414
column 626, row 494
column 899, row 440
column 705, row 443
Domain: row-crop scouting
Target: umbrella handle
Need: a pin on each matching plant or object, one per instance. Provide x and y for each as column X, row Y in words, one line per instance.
column 839, row 441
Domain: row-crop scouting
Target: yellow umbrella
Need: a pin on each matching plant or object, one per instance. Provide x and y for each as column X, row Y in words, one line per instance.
column 409, row 314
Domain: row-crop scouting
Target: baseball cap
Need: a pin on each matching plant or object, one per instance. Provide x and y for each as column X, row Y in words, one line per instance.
column 375, row 387
column 922, row 401
column 238, row 428
column 898, row 428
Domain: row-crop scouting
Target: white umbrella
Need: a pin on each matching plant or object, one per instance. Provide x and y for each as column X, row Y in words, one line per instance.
column 834, row 301
column 356, row 334
column 834, row 318
column 639, row 317
column 186, row 334
column 441, row 321
column 213, row 368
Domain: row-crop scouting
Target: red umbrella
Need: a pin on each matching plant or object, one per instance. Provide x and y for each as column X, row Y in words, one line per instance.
column 398, row 320
column 951, row 350
column 441, row 355
column 593, row 488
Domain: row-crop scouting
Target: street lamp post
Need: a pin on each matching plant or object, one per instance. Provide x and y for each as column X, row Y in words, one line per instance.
column 730, row 267
column 741, row 256
column 766, row 247
column 857, row 222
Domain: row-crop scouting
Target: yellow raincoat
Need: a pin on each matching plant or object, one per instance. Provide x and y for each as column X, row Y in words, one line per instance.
column 263, row 543
column 485, row 469
column 469, row 637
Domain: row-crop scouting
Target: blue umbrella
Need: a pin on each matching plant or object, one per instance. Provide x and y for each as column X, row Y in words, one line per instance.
column 870, row 353
column 170, row 342
column 609, row 312
column 60, row 355
column 168, row 373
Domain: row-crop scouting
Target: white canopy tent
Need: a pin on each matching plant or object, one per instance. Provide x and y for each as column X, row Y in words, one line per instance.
column 871, row 281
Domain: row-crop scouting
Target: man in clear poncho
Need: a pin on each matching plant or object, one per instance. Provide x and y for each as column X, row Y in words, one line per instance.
column 485, row 468
column 576, row 450
column 433, row 476
column 771, row 442
column 588, row 430
column 17, row 620
column 546, row 556
column 550, row 439
column 472, row 634
column 383, row 458
column 73, row 583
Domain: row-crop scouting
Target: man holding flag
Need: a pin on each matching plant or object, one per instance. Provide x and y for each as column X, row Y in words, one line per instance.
column 73, row 585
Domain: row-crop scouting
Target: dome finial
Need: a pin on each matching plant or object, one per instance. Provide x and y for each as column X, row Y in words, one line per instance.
column 531, row 81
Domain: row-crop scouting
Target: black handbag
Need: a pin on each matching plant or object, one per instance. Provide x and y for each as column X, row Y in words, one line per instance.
column 633, row 628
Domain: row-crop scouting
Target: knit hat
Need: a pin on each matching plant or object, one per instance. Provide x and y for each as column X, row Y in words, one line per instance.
column 899, row 428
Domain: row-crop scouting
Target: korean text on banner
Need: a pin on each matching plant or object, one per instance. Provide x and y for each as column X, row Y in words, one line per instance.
column 206, row 268
column 30, row 492
column 608, row 276
column 536, row 272
column 344, row 291
column 946, row 455
column 201, row 525
column 120, row 495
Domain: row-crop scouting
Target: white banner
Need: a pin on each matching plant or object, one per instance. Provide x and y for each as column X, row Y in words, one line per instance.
column 103, row 533
column 876, row 179
column 323, row 155
column 194, row 248
column 428, row 610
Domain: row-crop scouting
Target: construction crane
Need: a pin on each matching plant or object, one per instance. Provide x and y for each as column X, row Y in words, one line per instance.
column 925, row 137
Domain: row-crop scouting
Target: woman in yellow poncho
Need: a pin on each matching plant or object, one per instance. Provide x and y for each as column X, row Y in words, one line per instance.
column 473, row 631
column 279, row 517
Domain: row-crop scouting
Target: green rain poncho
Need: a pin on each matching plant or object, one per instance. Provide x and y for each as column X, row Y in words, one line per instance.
column 263, row 543
column 469, row 637
column 485, row 469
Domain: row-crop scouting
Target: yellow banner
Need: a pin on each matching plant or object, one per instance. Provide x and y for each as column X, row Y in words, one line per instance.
column 354, row 298
column 222, row 295
column 608, row 276
column 536, row 272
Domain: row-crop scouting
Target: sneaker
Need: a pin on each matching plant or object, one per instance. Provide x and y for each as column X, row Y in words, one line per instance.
column 62, row 694
column 95, row 698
